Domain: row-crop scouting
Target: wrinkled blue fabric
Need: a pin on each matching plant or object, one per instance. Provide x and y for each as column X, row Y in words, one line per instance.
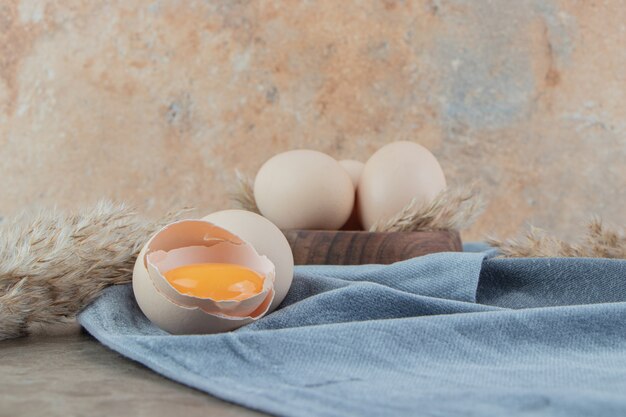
column 451, row 334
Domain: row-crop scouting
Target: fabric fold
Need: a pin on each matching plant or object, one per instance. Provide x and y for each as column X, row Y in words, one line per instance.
column 446, row 334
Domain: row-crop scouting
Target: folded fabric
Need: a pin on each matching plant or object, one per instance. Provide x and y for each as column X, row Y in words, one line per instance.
column 447, row 334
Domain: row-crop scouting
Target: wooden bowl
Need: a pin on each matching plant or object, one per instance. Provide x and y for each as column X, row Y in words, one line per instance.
column 330, row 247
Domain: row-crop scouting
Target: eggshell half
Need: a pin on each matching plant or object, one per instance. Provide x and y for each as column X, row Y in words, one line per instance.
column 160, row 262
column 197, row 241
column 266, row 238
column 394, row 176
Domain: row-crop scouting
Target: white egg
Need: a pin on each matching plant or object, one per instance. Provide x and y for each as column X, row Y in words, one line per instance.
column 304, row 189
column 396, row 175
column 354, row 169
column 266, row 238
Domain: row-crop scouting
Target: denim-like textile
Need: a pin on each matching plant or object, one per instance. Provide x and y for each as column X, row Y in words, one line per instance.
column 452, row 334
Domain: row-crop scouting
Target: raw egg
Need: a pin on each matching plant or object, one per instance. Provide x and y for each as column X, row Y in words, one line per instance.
column 219, row 281
column 393, row 177
column 196, row 277
column 304, row 189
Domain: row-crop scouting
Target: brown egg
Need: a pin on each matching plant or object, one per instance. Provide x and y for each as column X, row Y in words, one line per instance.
column 354, row 169
column 304, row 189
column 394, row 176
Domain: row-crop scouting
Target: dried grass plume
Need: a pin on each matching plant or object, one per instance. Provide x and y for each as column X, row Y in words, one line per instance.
column 243, row 194
column 454, row 208
column 599, row 241
column 52, row 264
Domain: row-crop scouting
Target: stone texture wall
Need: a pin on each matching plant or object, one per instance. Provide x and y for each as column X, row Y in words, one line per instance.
column 157, row 102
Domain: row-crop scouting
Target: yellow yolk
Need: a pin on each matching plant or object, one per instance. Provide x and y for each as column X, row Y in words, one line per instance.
column 219, row 282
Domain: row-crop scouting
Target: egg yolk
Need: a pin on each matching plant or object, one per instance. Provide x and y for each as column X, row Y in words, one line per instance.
column 218, row 281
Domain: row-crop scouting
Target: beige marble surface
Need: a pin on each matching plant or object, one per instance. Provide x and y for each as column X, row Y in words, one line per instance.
column 157, row 102
column 70, row 374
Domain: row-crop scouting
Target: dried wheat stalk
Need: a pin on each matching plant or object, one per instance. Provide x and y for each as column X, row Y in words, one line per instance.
column 52, row 264
column 243, row 195
column 598, row 242
column 454, row 209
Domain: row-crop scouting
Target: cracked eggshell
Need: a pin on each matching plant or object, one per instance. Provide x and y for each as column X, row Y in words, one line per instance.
column 266, row 238
column 160, row 262
column 193, row 241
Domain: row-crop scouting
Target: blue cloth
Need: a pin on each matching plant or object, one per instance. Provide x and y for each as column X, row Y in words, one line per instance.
column 452, row 334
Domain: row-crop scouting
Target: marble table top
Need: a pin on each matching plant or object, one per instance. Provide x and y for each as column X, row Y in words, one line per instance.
column 68, row 373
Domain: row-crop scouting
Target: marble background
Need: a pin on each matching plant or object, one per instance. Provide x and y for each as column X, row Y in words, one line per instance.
column 157, row 102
